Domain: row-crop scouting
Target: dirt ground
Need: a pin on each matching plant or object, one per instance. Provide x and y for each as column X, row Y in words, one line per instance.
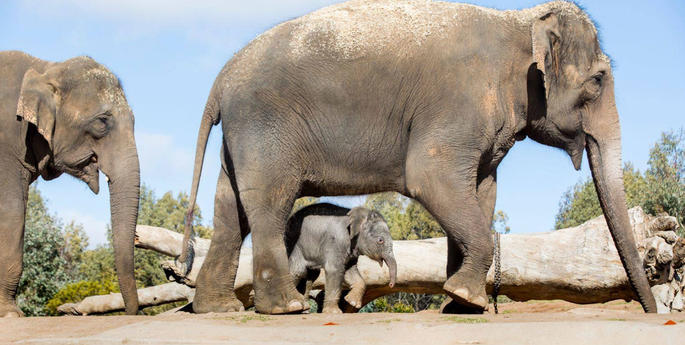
column 551, row 322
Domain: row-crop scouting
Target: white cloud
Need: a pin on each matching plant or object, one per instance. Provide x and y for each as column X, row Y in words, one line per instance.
column 95, row 228
column 160, row 155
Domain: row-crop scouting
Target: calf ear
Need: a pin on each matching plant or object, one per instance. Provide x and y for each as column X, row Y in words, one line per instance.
column 356, row 219
column 38, row 103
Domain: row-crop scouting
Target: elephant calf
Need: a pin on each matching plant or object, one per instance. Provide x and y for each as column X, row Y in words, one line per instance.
column 332, row 237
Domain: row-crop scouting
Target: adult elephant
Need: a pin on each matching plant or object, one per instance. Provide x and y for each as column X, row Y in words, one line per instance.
column 71, row 117
column 423, row 98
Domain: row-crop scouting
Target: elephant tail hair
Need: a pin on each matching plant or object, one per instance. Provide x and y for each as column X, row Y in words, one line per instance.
column 210, row 118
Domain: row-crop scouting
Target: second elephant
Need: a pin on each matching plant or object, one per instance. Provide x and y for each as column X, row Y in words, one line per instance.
column 332, row 237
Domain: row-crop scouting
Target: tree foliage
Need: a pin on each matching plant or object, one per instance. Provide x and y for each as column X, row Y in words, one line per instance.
column 580, row 203
column 660, row 189
column 75, row 292
column 45, row 269
column 58, row 267
column 406, row 218
column 666, row 176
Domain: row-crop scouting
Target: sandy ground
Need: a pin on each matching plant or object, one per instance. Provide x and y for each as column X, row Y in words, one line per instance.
column 518, row 323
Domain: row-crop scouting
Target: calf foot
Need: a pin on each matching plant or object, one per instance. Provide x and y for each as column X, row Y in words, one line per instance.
column 354, row 299
column 467, row 290
column 331, row 309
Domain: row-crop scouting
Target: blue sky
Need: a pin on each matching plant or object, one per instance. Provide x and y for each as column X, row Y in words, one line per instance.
column 168, row 52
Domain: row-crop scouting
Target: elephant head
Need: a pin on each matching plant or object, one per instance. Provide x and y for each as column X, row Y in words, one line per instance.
column 82, row 124
column 372, row 238
column 572, row 106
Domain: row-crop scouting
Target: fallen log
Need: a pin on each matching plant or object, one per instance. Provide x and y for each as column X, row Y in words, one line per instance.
column 578, row 264
column 147, row 297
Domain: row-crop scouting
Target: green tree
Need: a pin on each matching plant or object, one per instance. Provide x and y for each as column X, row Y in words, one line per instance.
column 166, row 212
column 98, row 265
column 74, row 248
column 45, row 270
column 169, row 212
column 95, row 269
column 420, row 224
column 660, row 189
column 391, row 205
column 580, row 203
column 76, row 292
column 666, row 176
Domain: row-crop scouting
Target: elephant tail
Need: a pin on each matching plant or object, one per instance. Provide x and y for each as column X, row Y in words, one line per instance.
column 210, row 118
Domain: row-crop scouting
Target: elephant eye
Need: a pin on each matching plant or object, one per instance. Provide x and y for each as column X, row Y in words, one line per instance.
column 100, row 125
column 592, row 87
column 380, row 240
column 597, row 78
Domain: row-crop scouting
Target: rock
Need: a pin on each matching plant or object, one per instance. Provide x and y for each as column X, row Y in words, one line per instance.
column 663, row 294
column 663, row 223
column 670, row 236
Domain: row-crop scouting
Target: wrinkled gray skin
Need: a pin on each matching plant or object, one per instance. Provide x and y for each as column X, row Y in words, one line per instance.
column 332, row 237
column 71, row 117
column 420, row 98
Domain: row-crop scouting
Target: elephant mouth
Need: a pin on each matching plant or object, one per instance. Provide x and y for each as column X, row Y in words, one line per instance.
column 87, row 170
column 91, row 177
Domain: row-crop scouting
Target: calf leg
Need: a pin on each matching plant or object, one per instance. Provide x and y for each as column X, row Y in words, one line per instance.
column 334, row 280
column 357, row 287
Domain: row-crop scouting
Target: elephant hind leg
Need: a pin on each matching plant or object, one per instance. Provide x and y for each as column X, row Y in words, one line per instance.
column 216, row 280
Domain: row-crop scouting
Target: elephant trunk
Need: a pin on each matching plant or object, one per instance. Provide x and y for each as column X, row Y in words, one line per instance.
column 392, row 267
column 124, row 190
column 604, row 155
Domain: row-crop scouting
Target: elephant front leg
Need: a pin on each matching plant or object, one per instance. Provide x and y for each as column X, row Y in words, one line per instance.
column 487, row 195
column 357, row 287
column 12, row 214
column 11, row 252
column 446, row 186
column 267, row 212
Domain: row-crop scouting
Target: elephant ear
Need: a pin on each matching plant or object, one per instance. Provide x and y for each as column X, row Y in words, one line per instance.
column 38, row 103
column 546, row 42
column 356, row 219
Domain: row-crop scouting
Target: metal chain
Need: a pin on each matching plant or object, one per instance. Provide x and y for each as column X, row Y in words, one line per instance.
column 498, row 272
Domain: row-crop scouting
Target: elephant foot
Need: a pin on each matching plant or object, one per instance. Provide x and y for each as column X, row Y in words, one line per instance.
column 214, row 305
column 295, row 305
column 472, row 296
column 354, row 299
column 281, row 303
column 332, row 309
column 449, row 306
column 10, row 311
